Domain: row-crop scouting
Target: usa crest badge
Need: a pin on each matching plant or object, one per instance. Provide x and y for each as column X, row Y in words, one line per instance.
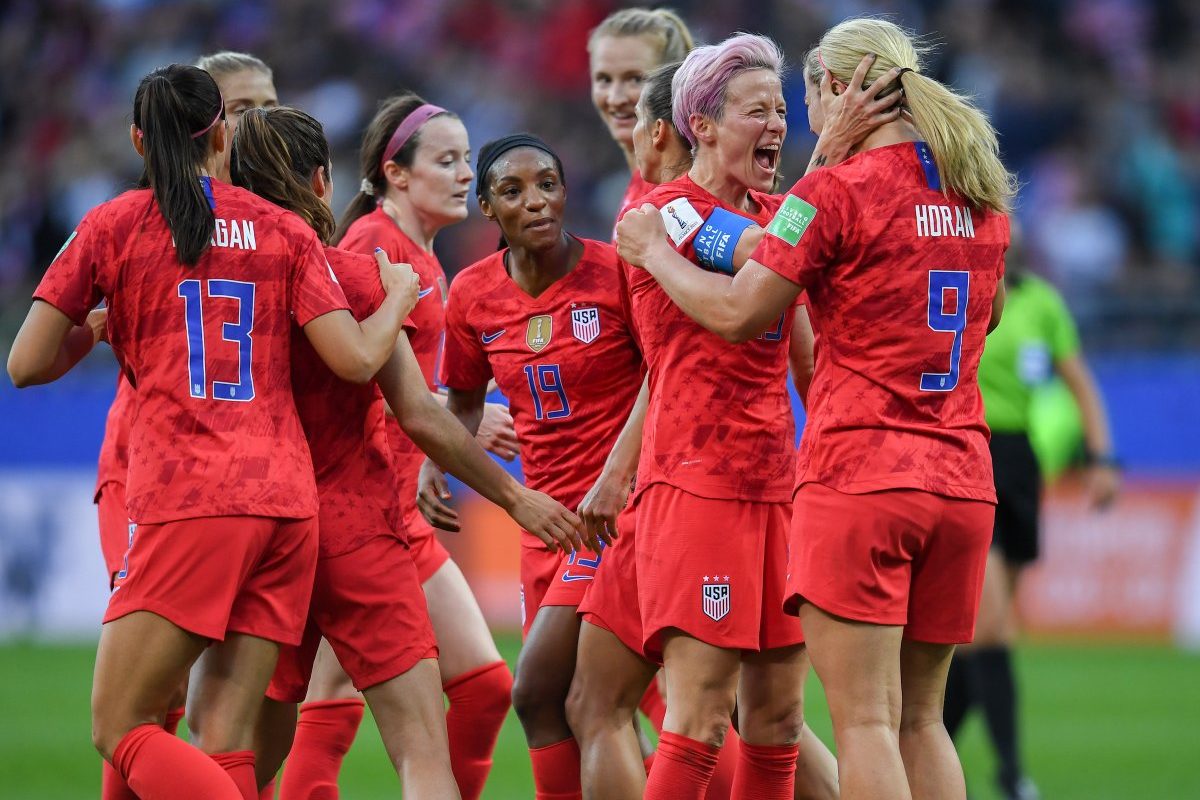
column 585, row 323
column 539, row 331
column 715, row 600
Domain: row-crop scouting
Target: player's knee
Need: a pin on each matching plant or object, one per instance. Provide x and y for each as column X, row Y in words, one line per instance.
column 780, row 722
column 490, row 692
column 532, row 698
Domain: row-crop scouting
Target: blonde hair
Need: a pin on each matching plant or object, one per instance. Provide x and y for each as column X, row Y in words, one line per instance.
column 963, row 141
column 227, row 62
column 664, row 26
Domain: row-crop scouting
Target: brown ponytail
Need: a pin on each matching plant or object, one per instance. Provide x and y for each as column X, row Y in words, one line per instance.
column 391, row 113
column 175, row 109
column 275, row 153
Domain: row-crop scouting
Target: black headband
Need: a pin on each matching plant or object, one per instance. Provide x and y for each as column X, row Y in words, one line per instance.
column 491, row 152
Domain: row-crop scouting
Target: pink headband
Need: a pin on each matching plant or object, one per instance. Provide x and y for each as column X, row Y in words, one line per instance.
column 220, row 111
column 407, row 127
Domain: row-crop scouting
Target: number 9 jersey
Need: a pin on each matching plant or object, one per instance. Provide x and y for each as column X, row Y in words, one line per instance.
column 900, row 282
column 207, row 347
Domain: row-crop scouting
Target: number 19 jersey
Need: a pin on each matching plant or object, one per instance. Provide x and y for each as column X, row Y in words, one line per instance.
column 215, row 429
column 900, row 277
column 565, row 359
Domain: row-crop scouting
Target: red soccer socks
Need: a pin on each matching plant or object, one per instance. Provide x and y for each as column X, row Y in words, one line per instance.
column 556, row 771
column 479, row 701
column 765, row 772
column 324, row 734
column 682, row 768
column 159, row 766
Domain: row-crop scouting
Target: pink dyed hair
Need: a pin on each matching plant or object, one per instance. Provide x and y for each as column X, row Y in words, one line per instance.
column 700, row 84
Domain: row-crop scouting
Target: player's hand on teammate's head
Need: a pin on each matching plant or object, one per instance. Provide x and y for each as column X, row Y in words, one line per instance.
column 496, row 432
column 638, row 232
column 398, row 278
column 97, row 320
column 600, row 508
column 851, row 112
column 1103, row 484
column 548, row 520
column 433, row 492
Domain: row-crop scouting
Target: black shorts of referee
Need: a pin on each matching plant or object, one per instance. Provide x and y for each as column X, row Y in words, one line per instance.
column 1018, row 498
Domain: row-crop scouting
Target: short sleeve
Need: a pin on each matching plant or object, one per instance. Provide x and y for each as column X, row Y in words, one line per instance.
column 805, row 234
column 465, row 365
column 71, row 281
column 1063, row 336
column 314, row 290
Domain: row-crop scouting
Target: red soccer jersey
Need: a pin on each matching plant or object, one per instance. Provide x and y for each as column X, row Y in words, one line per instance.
column 377, row 229
column 566, row 360
column 344, row 423
column 215, row 432
column 720, row 422
column 901, row 279
column 634, row 192
column 114, row 450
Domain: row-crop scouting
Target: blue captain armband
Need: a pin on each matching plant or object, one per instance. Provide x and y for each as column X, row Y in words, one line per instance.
column 717, row 239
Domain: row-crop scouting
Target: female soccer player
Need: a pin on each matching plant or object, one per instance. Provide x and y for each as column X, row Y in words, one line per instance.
column 201, row 302
column 245, row 82
column 416, row 176
column 547, row 318
column 901, row 250
column 367, row 600
column 1035, row 340
column 623, row 50
column 704, row 472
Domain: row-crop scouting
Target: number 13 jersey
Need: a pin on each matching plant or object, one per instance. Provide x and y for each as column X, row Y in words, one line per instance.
column 215, row 430
column 566, row 360
column 900, row 279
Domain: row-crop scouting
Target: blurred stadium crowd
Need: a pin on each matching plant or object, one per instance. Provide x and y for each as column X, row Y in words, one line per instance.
column 1097, row 103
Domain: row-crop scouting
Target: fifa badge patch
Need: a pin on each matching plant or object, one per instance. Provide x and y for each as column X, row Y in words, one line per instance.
column 792, row 220
column 715, row 598
column 681, row 219
column 538, row 334
column 585, row 324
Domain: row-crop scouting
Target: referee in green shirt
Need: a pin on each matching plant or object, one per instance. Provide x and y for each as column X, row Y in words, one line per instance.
column 1035, row 341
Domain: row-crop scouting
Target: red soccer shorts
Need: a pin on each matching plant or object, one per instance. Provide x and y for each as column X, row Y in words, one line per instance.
column 612, row 599
column 897, row 557
column 219, row 575
column 114, row 527
column 714, row 569
column 426, row 549
column 552, row 578
column 370, row 606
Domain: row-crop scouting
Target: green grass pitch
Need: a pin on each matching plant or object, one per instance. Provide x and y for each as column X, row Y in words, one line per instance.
column 1101, row 721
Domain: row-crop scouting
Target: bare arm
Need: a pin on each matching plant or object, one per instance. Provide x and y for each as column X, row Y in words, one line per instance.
column 49, row 344
column 736, row 310
column 354, row 350
column 436, row 431
column 853, row 114
column 801, row 359
column 1104, row 478
column 605, row 500
column 997, row 306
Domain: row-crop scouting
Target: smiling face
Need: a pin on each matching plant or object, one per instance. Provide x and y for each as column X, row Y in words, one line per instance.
column 439, row 180
column 749, row 135
column 619, row 65
column 526, row 196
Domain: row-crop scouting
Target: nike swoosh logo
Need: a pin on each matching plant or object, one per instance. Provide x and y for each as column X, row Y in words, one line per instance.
column 488, row 338
column 424, row 292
